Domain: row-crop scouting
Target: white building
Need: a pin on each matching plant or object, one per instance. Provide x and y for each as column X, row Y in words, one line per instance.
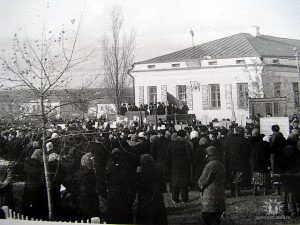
column 216, row 78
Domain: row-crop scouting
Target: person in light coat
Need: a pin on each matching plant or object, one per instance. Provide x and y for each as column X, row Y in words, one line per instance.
column 212, row 186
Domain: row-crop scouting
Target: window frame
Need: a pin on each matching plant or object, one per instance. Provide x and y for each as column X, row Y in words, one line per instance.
column 181, row 93
column 277, row 89
column 216, row 93
column 152, row 96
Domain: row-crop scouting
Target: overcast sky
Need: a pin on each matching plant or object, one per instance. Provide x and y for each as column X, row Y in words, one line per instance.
column 161, row 26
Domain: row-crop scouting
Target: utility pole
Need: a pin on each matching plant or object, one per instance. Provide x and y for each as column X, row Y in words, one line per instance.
column 194, row 53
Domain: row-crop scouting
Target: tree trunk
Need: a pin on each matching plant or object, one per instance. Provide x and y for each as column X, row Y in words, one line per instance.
column 46, row 166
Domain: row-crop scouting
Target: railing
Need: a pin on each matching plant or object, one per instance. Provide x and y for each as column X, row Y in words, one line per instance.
column 19, row 218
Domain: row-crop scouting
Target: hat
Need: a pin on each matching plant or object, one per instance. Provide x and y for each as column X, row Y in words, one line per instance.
column 49, row 146
column 53, row 157
column 37, row 154
column 194, row 134
column 54, row 135
column 181, row 133
column 141, row 135
column 211, row 150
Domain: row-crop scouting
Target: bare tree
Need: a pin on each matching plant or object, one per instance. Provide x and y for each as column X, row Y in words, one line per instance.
column 40, row 67
column 117, row 58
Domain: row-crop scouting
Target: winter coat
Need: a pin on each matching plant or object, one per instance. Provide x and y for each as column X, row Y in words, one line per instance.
column 151, row 208
column 259, row 155
column 179, row 157
column 119, row 203
column 35, row 192
column 237, row 153
column 199, row 161
column 84, row 188
column 277, row 144
column 212, row 181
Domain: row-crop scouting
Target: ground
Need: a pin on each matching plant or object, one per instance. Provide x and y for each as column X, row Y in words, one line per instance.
column 247, row 209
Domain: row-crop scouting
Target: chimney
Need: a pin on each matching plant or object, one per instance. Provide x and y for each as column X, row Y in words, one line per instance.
column 256, row 32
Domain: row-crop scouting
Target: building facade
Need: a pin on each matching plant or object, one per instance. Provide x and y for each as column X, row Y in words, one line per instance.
column 216, row 79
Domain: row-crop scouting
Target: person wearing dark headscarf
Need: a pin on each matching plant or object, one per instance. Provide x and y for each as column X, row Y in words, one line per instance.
column 238, row 155
column 85, row 188
column 35, row 193
column 260, row 161
column 212, row 186
column 119, row 202
column 179, row 157
column 151, row 208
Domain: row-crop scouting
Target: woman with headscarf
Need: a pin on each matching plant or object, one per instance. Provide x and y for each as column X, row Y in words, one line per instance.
column 119, row 203
column 84, row 188
column 35, row 194
column 151, row 208
column 212, row 186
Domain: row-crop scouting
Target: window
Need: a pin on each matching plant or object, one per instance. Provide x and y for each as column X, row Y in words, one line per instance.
column 242, row 95
column 215, row 98
column 152, row 94
column 181, row 93
column 176, row 65
column 211, row 63
column 150, row 66
column 268, row 106
column 276, row 61
column 277, row 86
column 240, row 61
column 296, row 94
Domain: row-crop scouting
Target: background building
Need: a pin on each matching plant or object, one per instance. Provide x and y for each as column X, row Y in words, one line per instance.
column 217, row 78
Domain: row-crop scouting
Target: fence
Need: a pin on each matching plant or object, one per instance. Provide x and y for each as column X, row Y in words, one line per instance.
column 17, row 218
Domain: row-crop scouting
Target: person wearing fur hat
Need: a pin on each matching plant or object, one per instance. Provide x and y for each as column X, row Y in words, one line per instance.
column 84, row 187
column 178, row 159
column 212, row 186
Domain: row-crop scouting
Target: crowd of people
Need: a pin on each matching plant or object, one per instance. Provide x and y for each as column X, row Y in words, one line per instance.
column 159, row 108
column 104, row 172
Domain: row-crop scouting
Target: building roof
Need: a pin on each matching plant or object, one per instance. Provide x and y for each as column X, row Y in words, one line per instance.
column 235, row 46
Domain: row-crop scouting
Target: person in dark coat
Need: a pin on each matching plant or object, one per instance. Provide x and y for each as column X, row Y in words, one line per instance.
column 179, row 157
column 35, row 192
column 238, row 157
column 277, row 144
column 199, row 159
column 85, row 188
column 151, row 208
column 159, row 153
column 212, row 186
column 119, row 203
column 260, row 161
column 6, row 183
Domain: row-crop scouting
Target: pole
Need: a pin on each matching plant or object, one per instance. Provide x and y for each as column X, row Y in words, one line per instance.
column 296, row 50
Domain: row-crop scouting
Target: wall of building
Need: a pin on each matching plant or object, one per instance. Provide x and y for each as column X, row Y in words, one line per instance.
column 221, row 74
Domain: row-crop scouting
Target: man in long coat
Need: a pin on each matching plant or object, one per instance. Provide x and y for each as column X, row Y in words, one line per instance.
column 179, row 157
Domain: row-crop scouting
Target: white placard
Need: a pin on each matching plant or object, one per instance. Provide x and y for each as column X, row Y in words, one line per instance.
column 267, row 122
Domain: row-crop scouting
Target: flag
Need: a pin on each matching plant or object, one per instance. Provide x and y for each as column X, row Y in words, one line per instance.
column 192, row 32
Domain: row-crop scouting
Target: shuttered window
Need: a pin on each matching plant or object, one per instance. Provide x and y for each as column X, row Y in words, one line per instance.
column 228, row 96
column 141, row 95
column 163, row 93
column 242, row 95
column 205, row 104
column 189, row 94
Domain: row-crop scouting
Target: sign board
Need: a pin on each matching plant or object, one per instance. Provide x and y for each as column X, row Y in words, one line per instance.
column 267, row 122
column 180, row 127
